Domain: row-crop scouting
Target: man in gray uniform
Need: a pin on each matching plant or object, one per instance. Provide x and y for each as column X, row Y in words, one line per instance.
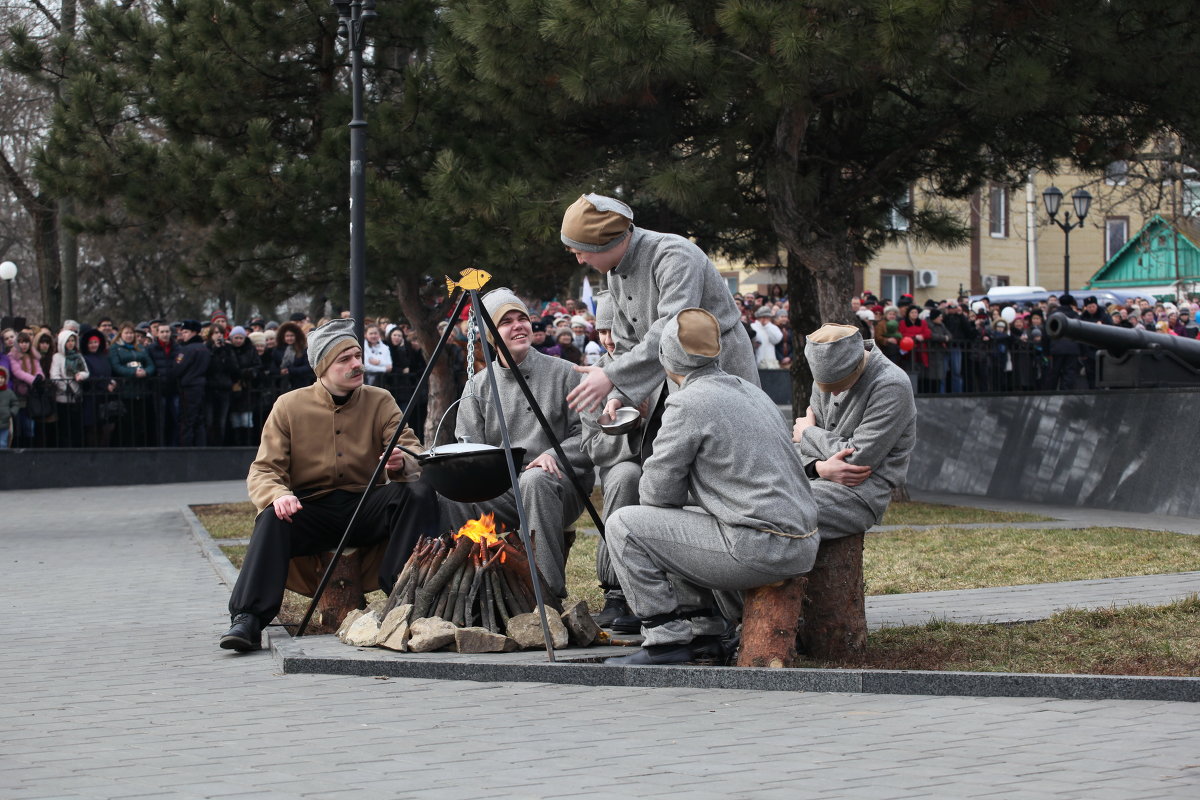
column 651, row 276
column 857, row 436
column 618, row 466
column 551, row 502
column 749, row 527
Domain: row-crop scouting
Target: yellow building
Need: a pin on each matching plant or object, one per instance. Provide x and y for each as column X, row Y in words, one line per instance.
column 1013, row 241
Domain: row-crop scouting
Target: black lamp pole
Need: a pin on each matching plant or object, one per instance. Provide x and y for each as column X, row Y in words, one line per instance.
column 1082, row 201
column 352, row 18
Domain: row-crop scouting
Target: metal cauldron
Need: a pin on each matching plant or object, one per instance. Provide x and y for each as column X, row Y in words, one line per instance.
column 468, row 472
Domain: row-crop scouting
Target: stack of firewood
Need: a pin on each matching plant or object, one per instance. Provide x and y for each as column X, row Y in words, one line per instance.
column 473, row 578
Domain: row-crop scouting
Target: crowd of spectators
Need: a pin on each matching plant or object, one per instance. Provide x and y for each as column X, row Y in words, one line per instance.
column 188, row 383
column 956, row 345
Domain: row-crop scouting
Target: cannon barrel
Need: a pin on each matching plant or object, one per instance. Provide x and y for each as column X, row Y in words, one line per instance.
column 1121, row 340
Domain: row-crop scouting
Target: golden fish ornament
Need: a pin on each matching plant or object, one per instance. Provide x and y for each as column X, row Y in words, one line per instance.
column 469, row 278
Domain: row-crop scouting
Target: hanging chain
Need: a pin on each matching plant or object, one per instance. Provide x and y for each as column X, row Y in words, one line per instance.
column 471, row 349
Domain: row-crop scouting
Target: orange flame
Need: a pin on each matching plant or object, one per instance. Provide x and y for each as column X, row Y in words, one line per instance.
column 481, row 531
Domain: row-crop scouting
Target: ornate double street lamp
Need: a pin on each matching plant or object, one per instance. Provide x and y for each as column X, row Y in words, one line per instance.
column 1082, row 201
column 8, row 273
column 353, row 16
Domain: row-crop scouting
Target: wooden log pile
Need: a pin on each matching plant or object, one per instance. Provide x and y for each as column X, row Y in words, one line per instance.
column 473, row 578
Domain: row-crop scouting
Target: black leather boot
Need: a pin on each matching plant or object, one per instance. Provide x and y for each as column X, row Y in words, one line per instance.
column 614, row 607
column 244, row 635
column 656, row 655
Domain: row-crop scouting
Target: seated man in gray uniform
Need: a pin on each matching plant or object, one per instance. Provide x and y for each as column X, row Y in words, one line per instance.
column 857, row 436
column 651, row 277
column 618, row 467
column 747, row 528
column 551, row 502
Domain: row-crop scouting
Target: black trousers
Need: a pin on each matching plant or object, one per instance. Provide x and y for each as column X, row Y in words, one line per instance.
column 399, row 512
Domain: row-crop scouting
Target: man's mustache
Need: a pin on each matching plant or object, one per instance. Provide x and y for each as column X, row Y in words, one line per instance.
column 354, row 373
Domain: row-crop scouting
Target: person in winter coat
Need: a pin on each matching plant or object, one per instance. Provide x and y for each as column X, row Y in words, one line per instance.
column 245, row 385
column 191, row 368
column 917, row 359
column 163, row 350
column 1064, row 353
column 887, row 334
column 26, row 371
column 69, row 371
column 290, row 358
column 134, row 368
column 939, row 336
column 9, row 406
column 101, row 404
column 223, row 371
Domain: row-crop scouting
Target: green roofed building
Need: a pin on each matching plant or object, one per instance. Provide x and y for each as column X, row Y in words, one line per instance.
column 1163, row 259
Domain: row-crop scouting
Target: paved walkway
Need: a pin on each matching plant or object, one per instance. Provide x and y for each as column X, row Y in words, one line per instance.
column 114, row 687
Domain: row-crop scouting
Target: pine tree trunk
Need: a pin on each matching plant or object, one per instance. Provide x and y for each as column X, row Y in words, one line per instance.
column 834, row 624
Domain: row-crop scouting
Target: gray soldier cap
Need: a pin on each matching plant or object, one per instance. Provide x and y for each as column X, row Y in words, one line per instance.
column 836, row 356
column 327, row 341
column 690, row 340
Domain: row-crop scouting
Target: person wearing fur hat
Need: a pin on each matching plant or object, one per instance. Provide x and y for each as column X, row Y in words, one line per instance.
column 856, row 438
column 766, row 335
column 618, row 467
column 706, row 523
column 192, row 358
column 551, row 501
column 652, row 276
column 320, row 447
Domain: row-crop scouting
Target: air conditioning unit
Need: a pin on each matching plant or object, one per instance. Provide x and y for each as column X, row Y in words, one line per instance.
column 990, row 282
column 926, row 278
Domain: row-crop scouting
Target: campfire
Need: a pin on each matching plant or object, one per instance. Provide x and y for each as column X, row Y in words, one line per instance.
column 474, row 577
column 471, row 589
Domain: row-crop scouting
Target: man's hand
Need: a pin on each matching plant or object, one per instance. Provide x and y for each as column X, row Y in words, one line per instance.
column 809, row 420
column 837, row 470
column 547, row 462
column 611, row 407
column 286, row 506
column 591, row 391
column 396, row 461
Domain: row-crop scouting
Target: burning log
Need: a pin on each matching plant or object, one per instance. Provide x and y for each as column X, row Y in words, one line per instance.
column 475, row 577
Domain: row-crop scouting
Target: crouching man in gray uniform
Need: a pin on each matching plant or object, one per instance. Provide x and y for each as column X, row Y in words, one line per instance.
column 618, row 466
column 748, row 527
column 857, row 436
column 551, row 502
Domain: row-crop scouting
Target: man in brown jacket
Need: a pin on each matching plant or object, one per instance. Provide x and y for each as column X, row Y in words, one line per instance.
column 320, row 446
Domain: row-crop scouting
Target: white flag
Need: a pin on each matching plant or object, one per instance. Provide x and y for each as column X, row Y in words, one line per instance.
column 587, row 294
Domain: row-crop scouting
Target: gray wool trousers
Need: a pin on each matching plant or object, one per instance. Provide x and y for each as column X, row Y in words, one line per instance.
column 671, row 559
column 551, row 504
column 840, row 512
column 620, row 484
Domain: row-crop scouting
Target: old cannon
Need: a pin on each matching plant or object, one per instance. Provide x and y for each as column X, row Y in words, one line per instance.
column 1129, row 358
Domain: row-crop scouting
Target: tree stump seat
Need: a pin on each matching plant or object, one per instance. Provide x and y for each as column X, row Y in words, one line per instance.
column 821, row 614
column 356, row 575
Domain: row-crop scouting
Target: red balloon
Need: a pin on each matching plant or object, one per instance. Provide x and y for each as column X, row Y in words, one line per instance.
column 907, row 344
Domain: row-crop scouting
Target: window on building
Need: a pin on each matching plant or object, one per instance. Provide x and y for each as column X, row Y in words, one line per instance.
column 998, row 211
column 1116, row 233
column 1191, row 197
column 1117, row 173
column 898, row 219
column 894, row 284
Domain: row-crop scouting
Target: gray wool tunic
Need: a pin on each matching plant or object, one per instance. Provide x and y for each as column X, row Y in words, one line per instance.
column 660, row 275
column 723, row 443
column 549, row 379
column 604, row 450
column 877, row 417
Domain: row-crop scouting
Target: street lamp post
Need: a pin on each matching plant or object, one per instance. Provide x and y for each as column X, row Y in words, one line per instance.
column 1082, row 201
column 8, row 273
column 353, row 16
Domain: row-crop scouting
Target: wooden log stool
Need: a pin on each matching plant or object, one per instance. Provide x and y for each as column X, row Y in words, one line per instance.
column 821, row 614
column 355, row 575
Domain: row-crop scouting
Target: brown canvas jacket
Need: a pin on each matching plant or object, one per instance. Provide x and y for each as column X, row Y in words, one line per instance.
column 311, row 446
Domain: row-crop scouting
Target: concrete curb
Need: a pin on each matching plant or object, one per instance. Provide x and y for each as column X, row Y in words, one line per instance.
column 325, row 655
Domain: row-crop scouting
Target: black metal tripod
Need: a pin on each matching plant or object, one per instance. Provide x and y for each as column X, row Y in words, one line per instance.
column 472, row 296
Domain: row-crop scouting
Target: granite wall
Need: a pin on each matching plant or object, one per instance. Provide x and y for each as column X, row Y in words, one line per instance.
column 1130, row 450
column 54, row 469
